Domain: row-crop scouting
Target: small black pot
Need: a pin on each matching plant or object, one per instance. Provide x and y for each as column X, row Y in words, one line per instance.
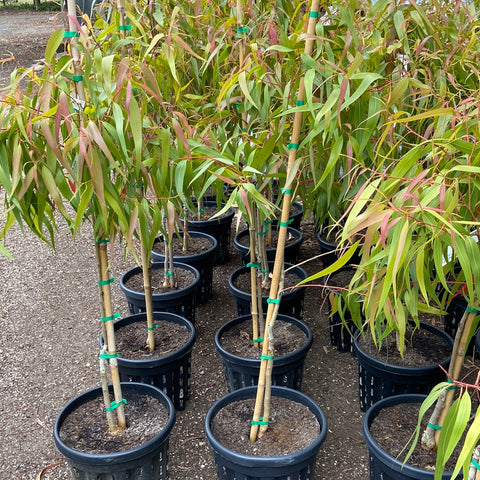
column 296, row 215
column 291, row 251
column 296, row 466
column 181, row 301
column 243, row 372
column 203, row 262
column 147, row 461
column 170, row 373
column 341, row 332
column 379, row 380
column 330, row 254
column 382, row 465
column 218, row 228
column 291, row 303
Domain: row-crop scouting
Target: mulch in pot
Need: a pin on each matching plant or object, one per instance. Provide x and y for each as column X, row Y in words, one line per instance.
column 196, row 245
column 86, row 430
column 131, row 340
column 291, row 428
column 243, row 283
column 238, row 339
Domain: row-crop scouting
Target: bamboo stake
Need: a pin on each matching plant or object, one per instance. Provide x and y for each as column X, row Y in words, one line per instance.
column 147, row 288
column 110, row 335
column 253, row 283
column 282, row 230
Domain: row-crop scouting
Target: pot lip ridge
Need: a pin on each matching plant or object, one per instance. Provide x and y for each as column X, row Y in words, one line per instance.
column 279, row 360
column 122, row 456
column 250, row 460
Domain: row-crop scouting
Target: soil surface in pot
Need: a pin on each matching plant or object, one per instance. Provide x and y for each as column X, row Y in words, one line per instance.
column 291, row 428
column 242, row 281
column 183, row 278
column 238, row 339
column 85, row 429
column 244, row 240
column 131, row 340
column 392, row 429
column 207, row 214
column 422, row 348
column 196, row 245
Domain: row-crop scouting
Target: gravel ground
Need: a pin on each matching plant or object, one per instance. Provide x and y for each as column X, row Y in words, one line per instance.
column 50, row 313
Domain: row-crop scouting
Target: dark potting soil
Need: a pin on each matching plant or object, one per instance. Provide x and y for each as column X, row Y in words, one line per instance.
column 207, row 214
column 291, row 428
column 339, row 280
column 288, row 338
column 244, row 240
column 131, row 340
column 85, row 429
column 242, row 281
column 392, row 429
column 183, row 278
column 422, row 348
column 196, row 245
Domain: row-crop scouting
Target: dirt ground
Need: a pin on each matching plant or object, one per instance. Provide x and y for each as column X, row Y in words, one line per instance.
column 49, row 313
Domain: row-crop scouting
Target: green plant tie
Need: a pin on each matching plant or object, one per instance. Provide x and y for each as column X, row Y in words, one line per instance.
column 124, row 27
column 265, row 270
column 286, row 224
column 111, row 317
column 273, row 300
column 101, row 283
column 202, row 210
column 103, row 240
column 253, row 265
column 70, row 34
column 266, row 357
column 259, row 422
column 300, row 103
column 108, row 355
column 472, row 310
column 475, row 464
column 170, row 274
column 435, row 427
column 115, row 405
column 286, row 190
column 292, row 145
column 453, row 387
column 77, row 78
column 258, row 340
column 242, row 30
column 151, row 329
column 313, row 14
column 262, row 234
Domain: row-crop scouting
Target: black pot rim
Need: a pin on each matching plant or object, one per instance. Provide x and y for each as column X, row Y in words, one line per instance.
column 116, row 457
column 400, row 369
column 250, row 460
column 158, row 257
column 166, row 295
column 302, row 274
column 164, row 359
column 226, row 218
column 293, row 231
column 372, row 445
column 280, row 360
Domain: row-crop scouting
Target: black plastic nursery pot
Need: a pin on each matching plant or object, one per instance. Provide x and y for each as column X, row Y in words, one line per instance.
column 378, row 380
column 384, row 466
column 216, row 227
column 181, row 301
column 235, row 466
column 341, row 330
column 243, row 372
column 295, row 218
column 203, row 262
column 145, row 462
column 291, row 303
column 170, row 373
column 329, row 251
column 291, row 251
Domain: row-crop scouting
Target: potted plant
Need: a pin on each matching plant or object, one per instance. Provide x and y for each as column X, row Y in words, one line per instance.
column 417, row 216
